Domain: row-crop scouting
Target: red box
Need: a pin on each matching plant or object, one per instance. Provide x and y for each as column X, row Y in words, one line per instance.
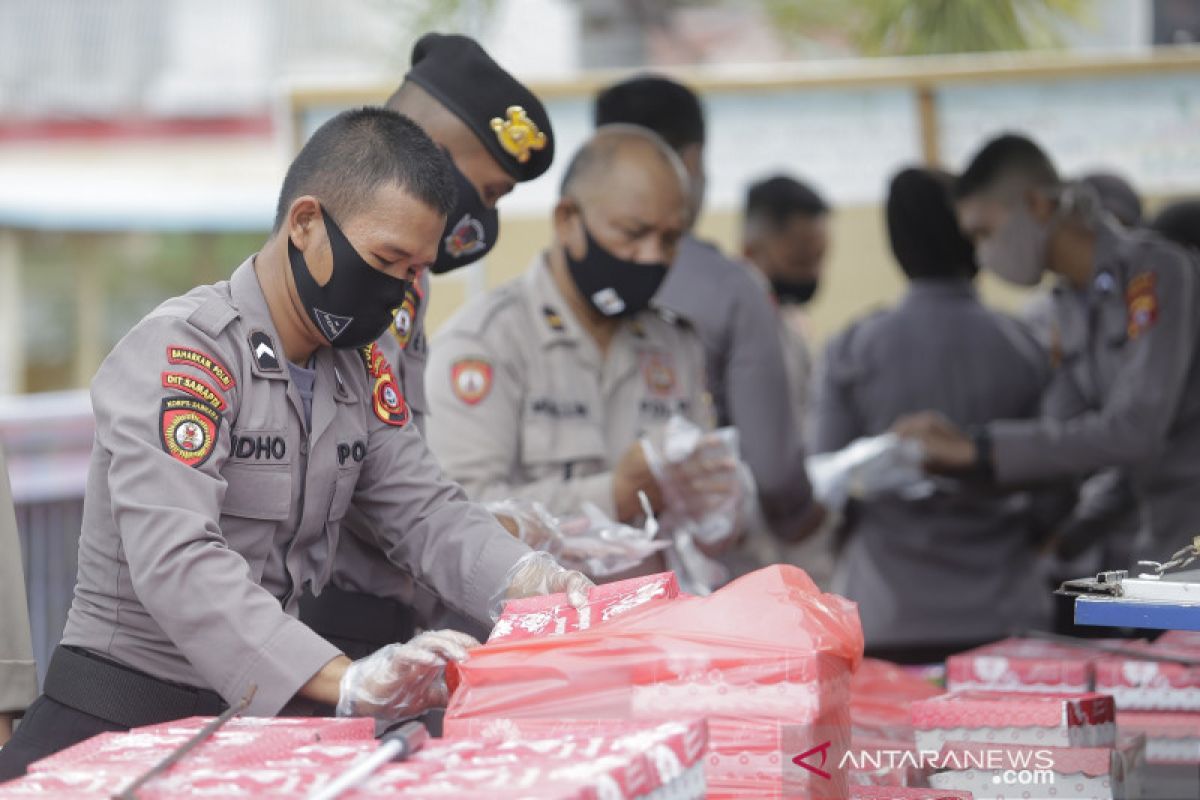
column 1059, row 720
column 1151, row 685
column 906, row 793
column 1172, row 737
column 1023, row 665
column 1011, row 772
column 552, row 615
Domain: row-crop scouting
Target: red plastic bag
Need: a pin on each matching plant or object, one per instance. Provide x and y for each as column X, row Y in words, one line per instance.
column 880, row 696
column 767, row 659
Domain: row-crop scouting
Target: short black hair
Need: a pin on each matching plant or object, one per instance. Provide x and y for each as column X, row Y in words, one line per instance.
column 1117, row 196
column 1180, row 222
column 1010, row 154
column 359, row 150
column 777, row 199
column 668, row 108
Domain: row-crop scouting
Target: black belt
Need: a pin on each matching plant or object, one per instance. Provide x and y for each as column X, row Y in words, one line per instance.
column 121, row 695
column 339, row 614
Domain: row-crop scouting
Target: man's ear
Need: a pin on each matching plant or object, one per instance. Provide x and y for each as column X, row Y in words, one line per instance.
column 1041, row 205
column 304, row 216
column 568, row 227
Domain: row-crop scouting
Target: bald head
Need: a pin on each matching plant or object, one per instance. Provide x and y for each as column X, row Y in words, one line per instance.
column 630, row 190
column 622, row 148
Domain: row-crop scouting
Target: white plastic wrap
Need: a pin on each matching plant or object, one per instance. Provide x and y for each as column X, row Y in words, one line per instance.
column 701, row 480
column 868, row 468
column 590, row 542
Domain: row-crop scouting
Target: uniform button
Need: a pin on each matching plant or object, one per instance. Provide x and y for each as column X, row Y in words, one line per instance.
column 304, row 448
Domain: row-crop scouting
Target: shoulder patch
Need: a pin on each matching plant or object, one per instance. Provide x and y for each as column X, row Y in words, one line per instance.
column 471, row 380
column 195, row 387
column 203, row 362
column 659, row 374
column 405, row 322
column 188, row 429
column 263, row 350
column 1141, row 302
column 387, row 401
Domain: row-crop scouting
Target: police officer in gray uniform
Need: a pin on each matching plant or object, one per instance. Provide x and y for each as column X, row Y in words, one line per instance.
column 231, row 440
column 543, row 387
column 496, row 133
column 1130, row 396
column 732, row 314
column 953, row 569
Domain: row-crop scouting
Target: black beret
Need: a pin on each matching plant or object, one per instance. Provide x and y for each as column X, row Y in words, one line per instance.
column 510, row 121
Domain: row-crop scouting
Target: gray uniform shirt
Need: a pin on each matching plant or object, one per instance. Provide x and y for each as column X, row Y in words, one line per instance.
column 18, row 675
column 1129, row 391
column 747, row 377
column 957, row 566
column 209, row 506
column 524, row 404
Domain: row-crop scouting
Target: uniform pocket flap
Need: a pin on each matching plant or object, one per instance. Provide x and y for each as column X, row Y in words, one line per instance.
column 257, row 492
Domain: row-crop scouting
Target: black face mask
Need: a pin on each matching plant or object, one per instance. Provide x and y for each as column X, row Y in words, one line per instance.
column 794, row 293
column 355, row 305
column 613, row 286
column 471, row 229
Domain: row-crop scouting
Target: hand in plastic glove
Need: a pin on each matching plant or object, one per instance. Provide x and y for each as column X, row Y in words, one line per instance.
column 538, row 573
column 530, row 523
column 708, row 478
column 401, row 680
column 947, row 449
column 632, row 475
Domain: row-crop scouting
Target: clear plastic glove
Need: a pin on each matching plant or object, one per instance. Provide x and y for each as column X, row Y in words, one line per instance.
column 402, row 680
column 539, row 573
column 530, row 522
column 701, row 479
column 601, row 546
column 868, row 468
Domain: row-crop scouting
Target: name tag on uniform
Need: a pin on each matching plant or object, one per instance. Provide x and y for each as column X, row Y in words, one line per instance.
column 558, row 409
column 259, row 446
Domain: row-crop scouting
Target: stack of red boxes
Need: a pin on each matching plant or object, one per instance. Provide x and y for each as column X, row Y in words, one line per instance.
column 883, row 742
column 292, row 758
column 1023, row 665
column 766, row 660
column 1005, row 744
column 1160, row 700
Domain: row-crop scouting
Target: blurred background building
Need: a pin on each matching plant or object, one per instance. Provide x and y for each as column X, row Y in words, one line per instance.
column 142, row 143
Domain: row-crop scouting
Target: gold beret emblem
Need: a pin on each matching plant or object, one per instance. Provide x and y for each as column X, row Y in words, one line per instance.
column 518, row 134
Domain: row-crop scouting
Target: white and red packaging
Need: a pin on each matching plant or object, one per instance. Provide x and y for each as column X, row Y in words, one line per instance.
column 767, row 659
column 627, row 761
column 1023, row 665
column 301, row 729
column 1184, row 639
column 1172, row 737
column 553, row 615
column 1019, row 772
column 1147, row 685
column 1058, row 720
column 906, row 793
